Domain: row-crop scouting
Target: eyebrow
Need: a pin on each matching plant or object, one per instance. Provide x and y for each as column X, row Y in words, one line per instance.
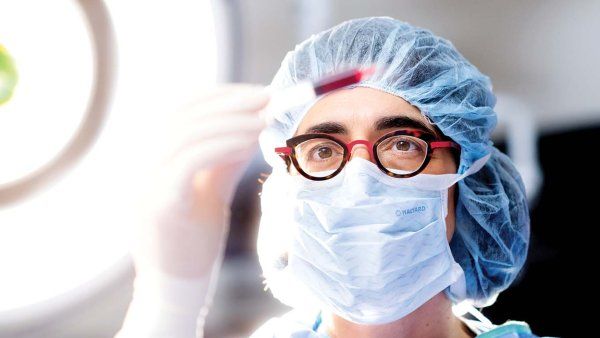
column 384, row 123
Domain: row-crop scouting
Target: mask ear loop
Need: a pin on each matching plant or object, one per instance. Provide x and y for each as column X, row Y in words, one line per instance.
column 479, row 325
column 444, row 196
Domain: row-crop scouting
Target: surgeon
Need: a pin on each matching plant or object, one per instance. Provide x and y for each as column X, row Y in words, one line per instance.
column 388, row 212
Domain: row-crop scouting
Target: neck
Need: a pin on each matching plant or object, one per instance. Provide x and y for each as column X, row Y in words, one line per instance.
column 432, row 319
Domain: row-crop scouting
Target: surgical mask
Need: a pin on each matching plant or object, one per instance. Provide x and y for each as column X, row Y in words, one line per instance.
column 365, row 246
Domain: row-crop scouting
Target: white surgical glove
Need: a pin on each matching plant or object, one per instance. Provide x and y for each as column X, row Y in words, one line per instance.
column 202, row 152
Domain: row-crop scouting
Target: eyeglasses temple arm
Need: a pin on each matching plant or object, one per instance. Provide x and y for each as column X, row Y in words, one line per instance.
column 284, row 153
column 444, row 144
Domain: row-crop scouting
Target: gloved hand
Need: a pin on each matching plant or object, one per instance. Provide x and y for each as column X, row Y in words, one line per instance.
column 205, row 150
column 202, row 152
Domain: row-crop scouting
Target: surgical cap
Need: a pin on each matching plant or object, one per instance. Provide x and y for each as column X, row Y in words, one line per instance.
column 492, row 218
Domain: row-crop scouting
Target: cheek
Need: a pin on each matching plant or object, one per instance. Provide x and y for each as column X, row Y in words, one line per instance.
column 442, row 162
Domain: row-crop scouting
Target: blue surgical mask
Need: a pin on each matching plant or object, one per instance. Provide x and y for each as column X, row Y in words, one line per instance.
column 365, row 246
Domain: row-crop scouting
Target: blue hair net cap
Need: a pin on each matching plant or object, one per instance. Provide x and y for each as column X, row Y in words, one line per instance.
column 492, row 217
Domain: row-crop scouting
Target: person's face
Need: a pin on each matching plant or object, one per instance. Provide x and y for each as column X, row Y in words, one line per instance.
column 358, row 113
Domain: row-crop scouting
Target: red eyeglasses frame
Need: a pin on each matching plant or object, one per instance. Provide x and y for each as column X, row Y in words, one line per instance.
column 289, row 155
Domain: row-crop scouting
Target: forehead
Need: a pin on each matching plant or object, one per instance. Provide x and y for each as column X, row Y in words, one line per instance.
column 357, row 106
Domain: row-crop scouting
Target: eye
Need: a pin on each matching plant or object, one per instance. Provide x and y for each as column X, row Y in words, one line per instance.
column 406, row 145
column 324, row 152
column 402, row 146
column 319, row 151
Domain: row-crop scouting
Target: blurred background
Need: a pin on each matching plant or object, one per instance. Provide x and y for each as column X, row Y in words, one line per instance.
column 77, row 79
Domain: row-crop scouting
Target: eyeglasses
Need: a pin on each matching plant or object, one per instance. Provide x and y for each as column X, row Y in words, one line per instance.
column 400, row 154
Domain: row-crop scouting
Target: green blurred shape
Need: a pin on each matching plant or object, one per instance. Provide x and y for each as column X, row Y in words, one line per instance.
column 8, row 75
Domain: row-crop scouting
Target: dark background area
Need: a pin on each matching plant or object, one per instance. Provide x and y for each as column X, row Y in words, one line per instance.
column 555, row 288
